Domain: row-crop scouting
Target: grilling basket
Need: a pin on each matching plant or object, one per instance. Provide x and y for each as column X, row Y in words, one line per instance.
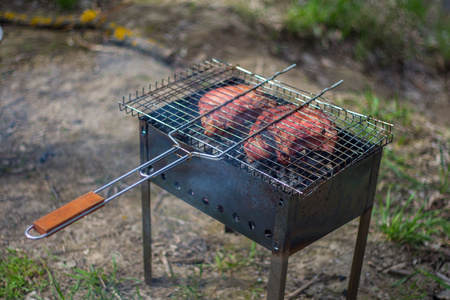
column 279, row 165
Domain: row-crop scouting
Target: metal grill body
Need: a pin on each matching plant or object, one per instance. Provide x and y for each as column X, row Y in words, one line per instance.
column 258, row 209
column 283, row 208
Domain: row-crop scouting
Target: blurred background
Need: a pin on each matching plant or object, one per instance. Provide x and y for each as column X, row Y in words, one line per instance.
column 64, row 64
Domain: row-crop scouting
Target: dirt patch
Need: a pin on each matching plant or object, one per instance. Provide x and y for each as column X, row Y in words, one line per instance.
column 61, row 135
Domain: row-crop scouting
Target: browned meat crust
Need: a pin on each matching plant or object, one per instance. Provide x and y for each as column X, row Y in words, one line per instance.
column 306, row 128
column 232, row 116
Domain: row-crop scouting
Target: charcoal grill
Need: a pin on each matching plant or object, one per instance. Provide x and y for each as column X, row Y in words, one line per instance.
column 283, row 207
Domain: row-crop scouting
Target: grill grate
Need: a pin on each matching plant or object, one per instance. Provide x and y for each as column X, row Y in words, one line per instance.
column 174, row 103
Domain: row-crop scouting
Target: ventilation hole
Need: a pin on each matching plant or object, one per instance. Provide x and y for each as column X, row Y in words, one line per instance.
column 220, row 208
column 281, row 202
column 268, row 233
column 252, row 225
column 236, row 217
column 191, row 193
column 205, row 200
column 177, row 185
column 163, row 176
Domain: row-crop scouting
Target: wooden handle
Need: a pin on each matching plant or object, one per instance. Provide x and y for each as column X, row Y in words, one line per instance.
column 67, row 212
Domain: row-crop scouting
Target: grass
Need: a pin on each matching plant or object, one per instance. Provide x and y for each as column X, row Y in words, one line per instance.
column 387, row 110
column 192, row 288
column 413, row 291
column 66, row 4
column 224, row 261
column 444, row 172
column 94, row 283
column 399, row 164
column 393, row 30
column 405, row 226
column 20, row 275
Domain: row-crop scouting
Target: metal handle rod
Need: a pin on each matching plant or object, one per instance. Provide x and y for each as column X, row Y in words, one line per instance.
column 144, row 178
column 143, row 166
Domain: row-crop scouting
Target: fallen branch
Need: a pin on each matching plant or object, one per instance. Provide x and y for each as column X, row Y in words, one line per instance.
column 188, row 261
column 295, row 293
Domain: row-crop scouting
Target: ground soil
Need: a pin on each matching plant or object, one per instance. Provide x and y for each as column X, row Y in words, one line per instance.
column 62, row 134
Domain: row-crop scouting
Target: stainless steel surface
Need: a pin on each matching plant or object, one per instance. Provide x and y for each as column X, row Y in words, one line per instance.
column 358, row 255
column 146, row 205
column 250, row 206
column 174, row 103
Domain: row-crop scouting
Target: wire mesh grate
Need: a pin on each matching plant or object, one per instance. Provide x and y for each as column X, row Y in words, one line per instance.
column 175, row 102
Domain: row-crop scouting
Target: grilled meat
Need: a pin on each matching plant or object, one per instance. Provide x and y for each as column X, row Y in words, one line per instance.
column 306, row 128
column 233, row 116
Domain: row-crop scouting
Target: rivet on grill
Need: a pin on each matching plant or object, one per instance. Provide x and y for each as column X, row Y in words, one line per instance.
column 220, row 208
column 177, row 185
column 205, row 200
column 191, row 193
column 252, row 225
column 236, row 217
column 268, row 233
column 276, row 247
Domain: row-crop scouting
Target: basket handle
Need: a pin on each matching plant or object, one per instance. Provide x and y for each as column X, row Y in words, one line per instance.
column 89, row 202
column 65, row 215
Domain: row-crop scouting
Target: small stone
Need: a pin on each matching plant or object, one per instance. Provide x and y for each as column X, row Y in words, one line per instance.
column 444, row 295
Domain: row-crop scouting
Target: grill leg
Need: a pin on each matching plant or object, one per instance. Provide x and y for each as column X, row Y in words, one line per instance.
column 277, row 275
column 146, row 231
column 358, row 256
column 146, row 206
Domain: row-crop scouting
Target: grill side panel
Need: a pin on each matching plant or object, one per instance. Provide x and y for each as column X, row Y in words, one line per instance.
column 233, row 197
column 343, row 198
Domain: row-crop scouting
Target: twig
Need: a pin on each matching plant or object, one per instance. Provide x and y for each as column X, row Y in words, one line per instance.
column 443, row 277
column 295, row 293
column 400, row 272
column 443, row 252
column 160, row 199
column 93, row 47
column 166, row 264
column 188, row 261
column 55, row 191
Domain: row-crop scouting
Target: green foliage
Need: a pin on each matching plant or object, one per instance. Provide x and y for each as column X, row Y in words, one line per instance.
column 192, row 288
column 414, row 291
column 413, row 228
column 318, row 16
column 444, row 172
column 394, row 29
column 66, row 4
column 225, row 261
column 439, row 280
column 390, row 111
column 19, row 275
column 94, row 283
column 400, row 165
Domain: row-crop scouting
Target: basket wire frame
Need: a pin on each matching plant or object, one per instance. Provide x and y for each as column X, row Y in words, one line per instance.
column 170, row 104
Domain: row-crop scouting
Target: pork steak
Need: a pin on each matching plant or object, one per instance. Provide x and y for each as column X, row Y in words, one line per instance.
column 305, row 128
